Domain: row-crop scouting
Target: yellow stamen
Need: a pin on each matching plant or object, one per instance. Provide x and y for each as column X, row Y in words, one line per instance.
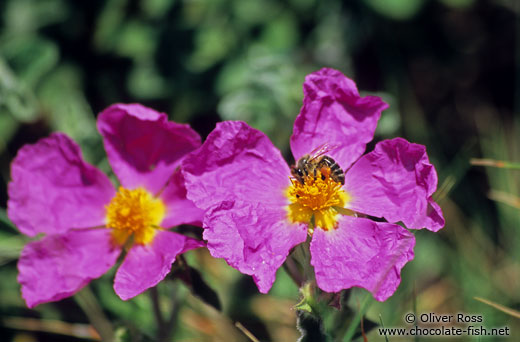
column 318, row 197
column 134, row 212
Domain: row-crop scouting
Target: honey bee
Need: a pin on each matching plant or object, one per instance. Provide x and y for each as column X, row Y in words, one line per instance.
column 310, row 164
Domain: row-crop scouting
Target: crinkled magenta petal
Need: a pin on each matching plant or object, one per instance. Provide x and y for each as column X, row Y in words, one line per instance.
column 146, row 265
column 53, row 190
column 179, row 210
column 236, row 162
column 58, row 266
column 253, row 238
column 333, row 113
column 361, row 253
column 396, row 181
column 143, row 147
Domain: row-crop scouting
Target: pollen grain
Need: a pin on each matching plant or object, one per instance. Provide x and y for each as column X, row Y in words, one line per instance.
column 315, row 201
column 134, row 212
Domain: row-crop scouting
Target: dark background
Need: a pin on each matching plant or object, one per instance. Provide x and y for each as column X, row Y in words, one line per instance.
column 448, row 69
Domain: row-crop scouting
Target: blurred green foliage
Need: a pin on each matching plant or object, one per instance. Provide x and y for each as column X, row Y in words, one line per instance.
column 448, row 69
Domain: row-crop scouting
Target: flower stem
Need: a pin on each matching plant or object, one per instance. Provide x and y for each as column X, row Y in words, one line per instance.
column 357, row 318
column 503, row 197
column 159, row 318
column 306, row 252
column 497, row 306
column 174, row 313
column 246, row 332
column 293, row 271
column 165, row 326
column 88, row 302
column 495, row 163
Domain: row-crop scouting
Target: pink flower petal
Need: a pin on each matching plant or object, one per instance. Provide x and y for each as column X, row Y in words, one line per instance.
column 191, row 243
column 236, row 162
column 362, row 253
column 143, row 147
column 334, row 113
column 179, row 210
column 53, row 189
column 58, row 266
column 146, row 265
column 253, row 238
column 396, row 181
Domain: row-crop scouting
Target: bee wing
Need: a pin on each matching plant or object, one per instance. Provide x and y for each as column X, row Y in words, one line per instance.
column 321, row 150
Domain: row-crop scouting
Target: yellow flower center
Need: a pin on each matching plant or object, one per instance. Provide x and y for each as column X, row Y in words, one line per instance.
column 318, row 201
column 134, row 212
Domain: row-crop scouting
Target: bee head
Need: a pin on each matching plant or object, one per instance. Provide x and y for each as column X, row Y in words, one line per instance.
column 297, row 172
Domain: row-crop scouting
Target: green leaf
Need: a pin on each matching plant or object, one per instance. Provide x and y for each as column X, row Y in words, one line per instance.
column 281, row 34
column 5, row 222
column 11, row 242
column 136, row 40
column 156, row 8
column 383, row 325
column 396, row 9
column 68, row 110
column 30, row 15
column 145, row 82
column 8, row 127
column 16, row 100
column 264, row 91
column 108, row 24
column 128, row 333
column 30, row 57
column 122, row 334
column 253, row 12
column 212, row 44
column 135, row 310
column 10, row 247
column 353, row 327
column 390, row 121
column 308, row 302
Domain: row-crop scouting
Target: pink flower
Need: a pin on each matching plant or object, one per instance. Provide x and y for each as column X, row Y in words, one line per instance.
column 87, row 222
column 256, row 211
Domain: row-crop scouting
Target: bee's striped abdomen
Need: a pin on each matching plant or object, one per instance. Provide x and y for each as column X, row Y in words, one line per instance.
column 336, row 173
